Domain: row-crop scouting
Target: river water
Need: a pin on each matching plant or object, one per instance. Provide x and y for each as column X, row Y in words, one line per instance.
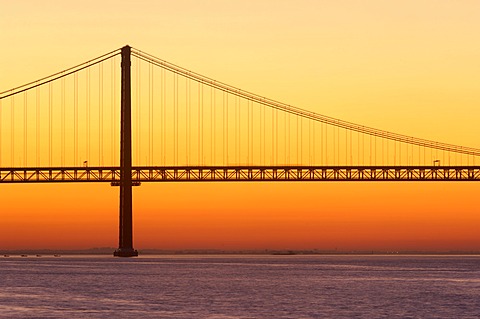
column 224, row 287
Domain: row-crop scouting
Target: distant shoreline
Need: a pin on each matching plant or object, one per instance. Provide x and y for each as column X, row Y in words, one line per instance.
column 266, row 252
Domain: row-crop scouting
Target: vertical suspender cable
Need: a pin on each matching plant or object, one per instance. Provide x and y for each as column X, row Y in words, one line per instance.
column 326, row 144
column 202, row 156
column 175, row 106
column 249, row 127
column 152, row 115
column 287, row 138
column 260, row 133
column 62, row 122
column 164, row 106
column 149, row 162
column 239, row 130
column 137, row 108
column 199, row 123
column 314, row 143
column 311, row 145
column 226, row 128
column 76, row 120
column 388, row 153
column 425, row 156
column 407, row 146
column 363, row 149
column 395, row 153
column 351, row 151
column 112, row 84
column 160, row 121
column 276, row 137
column 187, row 120
column 298, row 155
column 235, row 98
column 420, row 155
column 272, row 161
column 152, row 135
column 400, row 153
column 25, row 135
column 321, row 143
column 264, row 135
column 177, row 146
column 114, row 109
column 37, row 125
column 12, row 127
column 370, row 144
column 285, row 151
column 334, row 146
column 87, row 115
column 383, row 151
column 50, row 123
column 338, row 145
column 310, row 142
column 251, row 133
column 100, row 112
column 346, row 146
column 212, row 125
column 248, row 131
column 358, row 143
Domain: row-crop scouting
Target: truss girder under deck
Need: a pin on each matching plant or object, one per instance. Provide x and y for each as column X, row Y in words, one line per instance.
column 241, row 174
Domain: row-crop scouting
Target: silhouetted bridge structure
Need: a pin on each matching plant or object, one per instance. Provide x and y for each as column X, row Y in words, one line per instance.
column 179, row 126
column 238, row 174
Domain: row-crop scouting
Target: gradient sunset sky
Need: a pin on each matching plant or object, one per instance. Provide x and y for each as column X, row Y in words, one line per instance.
column 410, row 67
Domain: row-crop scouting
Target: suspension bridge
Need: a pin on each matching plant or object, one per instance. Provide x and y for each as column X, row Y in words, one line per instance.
column 153, row 121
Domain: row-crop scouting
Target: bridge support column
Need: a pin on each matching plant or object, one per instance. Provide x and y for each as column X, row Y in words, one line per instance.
column 125, row 245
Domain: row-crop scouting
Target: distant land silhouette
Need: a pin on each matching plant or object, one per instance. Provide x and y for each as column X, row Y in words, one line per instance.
column 108, row 250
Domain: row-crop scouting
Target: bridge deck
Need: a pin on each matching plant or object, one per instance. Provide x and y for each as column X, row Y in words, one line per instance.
column 240, row 174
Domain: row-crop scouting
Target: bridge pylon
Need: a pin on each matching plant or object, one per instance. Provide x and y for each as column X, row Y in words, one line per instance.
column 125, row 245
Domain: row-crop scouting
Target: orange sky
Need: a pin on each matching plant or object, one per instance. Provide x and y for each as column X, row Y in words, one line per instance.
column 387, row 216
column 410, row 67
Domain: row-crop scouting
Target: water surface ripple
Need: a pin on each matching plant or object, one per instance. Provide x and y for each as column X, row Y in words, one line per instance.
column 221, row 287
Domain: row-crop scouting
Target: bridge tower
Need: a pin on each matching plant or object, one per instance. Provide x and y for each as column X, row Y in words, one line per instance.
column 125, row 245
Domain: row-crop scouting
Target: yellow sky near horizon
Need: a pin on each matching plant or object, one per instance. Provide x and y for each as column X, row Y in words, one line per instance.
column 405, row 66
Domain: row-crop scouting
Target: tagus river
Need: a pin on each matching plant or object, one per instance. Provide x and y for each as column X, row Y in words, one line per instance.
column 240, row 287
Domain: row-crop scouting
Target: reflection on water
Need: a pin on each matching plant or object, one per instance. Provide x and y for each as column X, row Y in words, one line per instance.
column 241, row 287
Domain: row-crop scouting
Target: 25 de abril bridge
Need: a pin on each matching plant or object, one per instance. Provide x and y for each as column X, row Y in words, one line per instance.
column 128, row 117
